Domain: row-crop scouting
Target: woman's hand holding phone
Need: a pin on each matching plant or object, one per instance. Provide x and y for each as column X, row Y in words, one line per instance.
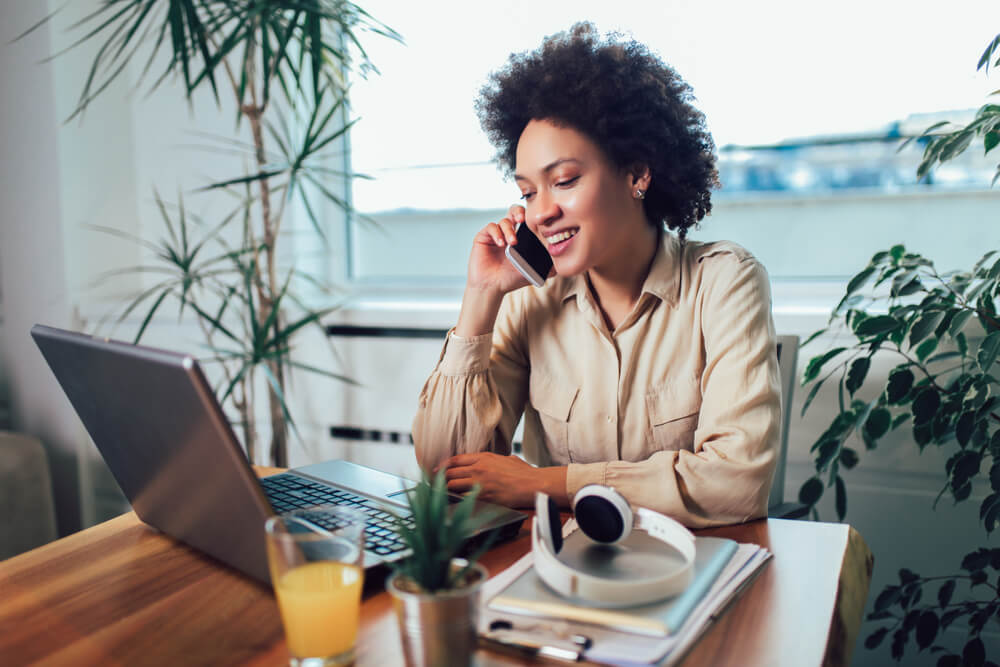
column 489, row 268
column 490, row 275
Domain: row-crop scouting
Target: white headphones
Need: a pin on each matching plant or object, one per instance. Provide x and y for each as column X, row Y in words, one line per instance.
column 605, row 516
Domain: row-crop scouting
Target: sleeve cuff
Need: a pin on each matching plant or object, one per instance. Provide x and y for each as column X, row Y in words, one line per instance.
column 579, row 475
column 465, row 356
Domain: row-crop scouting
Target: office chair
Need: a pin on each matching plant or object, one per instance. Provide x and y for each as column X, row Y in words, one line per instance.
column 788, row 356
column 26, row 500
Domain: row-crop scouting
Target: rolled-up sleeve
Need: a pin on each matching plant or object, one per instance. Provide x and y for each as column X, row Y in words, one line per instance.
column 474, row 397
column 726, row 476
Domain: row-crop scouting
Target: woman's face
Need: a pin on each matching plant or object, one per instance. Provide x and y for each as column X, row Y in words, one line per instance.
column 580, row 205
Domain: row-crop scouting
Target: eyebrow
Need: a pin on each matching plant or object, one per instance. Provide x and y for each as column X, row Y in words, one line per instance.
column 549, row 167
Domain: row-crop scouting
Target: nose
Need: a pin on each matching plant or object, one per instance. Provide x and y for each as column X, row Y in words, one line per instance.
column 543, row 209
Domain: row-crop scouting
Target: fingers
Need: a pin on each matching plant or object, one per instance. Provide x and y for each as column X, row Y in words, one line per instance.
column 461, row 460
column 502, row 233
column 507, row 225
column 516, row 214
column 460, row 485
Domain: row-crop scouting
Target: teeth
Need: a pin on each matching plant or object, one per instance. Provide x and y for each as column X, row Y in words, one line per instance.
column 561, row 236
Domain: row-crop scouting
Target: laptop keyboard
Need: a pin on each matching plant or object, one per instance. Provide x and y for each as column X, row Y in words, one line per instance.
column 289, row 492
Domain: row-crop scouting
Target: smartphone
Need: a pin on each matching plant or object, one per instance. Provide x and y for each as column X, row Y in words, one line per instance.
column 529, row 256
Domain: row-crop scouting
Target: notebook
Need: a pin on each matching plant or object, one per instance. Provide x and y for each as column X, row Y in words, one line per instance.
column 521, row 611
column 155, row 419
column 528, row 594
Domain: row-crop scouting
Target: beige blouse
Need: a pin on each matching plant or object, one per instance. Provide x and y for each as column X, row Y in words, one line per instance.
column 678, row 408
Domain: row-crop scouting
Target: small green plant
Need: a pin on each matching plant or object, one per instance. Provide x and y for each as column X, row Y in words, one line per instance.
column 437, row 533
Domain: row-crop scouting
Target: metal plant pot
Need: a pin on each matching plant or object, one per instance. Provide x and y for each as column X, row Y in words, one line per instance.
column 438, row 629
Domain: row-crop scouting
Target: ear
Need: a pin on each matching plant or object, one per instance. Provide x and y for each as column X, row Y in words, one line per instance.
column 639, row 177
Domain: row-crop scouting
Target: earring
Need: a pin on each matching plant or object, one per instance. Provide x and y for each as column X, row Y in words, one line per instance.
column 640, row 193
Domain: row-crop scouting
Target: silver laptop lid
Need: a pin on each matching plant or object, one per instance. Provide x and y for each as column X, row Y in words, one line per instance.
column 156, row 422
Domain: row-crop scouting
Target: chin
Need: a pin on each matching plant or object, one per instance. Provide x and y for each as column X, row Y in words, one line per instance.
column 568, row 269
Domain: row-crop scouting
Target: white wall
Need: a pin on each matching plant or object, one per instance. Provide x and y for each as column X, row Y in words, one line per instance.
column 33, row 257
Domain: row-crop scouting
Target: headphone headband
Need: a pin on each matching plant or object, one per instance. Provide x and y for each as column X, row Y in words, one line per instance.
column 546, row 543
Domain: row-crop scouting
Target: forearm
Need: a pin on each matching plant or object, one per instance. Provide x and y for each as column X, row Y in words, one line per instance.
column 699, row 490
column 479, row 311
column 474, row 397
column 505, row 480
column 552, row 482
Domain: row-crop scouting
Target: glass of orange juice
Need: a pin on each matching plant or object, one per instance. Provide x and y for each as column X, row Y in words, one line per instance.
column 316, row 556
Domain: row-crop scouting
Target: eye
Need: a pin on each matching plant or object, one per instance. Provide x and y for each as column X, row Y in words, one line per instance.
column 526, row 196
column 567, row 182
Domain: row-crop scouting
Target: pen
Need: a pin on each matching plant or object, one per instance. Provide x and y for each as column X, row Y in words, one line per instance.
column 524, row 645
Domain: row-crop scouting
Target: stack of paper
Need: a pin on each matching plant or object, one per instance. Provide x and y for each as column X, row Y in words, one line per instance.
column 531, row 614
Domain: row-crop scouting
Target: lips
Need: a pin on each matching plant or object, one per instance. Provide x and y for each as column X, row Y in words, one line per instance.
column 558, row 242
column 561, row 236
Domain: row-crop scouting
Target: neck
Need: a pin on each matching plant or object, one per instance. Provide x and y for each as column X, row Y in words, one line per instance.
column 622, row 279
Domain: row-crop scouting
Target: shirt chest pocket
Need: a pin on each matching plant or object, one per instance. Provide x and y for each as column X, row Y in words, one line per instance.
column 673, row 414
column 553, row 401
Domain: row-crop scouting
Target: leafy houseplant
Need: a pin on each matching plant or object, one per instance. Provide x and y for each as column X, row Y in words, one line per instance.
column 435, row 593
column 284, row 65
column 944, row 330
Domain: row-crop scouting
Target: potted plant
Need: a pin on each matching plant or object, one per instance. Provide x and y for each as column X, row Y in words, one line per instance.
column 943, row 330
column 281, row 67
column 435, row 593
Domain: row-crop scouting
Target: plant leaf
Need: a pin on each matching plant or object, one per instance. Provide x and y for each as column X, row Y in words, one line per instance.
column 926, row 405
column 841, row 498
column 898, row 387
column 874, row 326
column 811, row 491
column 856, row 374
column 924, row 325
column 877, row 423
column 815, row 364
column 988, row 351
column 927, row 629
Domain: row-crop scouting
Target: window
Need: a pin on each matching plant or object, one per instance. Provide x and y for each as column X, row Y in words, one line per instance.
column 808, row 115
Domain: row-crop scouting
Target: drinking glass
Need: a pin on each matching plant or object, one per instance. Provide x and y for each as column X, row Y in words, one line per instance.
column 316, row 557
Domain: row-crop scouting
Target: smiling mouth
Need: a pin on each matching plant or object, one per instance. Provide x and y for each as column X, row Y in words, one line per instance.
column 561, row 236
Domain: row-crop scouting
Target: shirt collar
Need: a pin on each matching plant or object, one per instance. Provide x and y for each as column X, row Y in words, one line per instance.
column 663, row 280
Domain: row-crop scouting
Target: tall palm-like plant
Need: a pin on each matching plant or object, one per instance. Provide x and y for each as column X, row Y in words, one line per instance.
column 285, row 63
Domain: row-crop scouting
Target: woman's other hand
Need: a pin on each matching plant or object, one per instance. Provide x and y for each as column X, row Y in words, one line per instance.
column 504, row 480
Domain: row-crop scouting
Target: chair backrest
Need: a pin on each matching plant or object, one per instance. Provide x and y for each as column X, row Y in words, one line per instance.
column 788, row 356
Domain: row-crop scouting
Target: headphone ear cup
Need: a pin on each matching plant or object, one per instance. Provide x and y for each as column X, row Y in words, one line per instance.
column 603, row 514
column 555, row 526
column 547, row 520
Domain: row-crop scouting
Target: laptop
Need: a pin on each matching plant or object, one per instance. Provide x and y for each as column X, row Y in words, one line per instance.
column 164, row 436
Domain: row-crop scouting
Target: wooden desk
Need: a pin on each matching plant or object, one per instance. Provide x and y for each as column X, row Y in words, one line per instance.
column 121, row 594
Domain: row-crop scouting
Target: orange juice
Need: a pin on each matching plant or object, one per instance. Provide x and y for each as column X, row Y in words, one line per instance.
column 320, row 603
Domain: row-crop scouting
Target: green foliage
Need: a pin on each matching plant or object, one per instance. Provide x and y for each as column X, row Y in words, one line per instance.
column 944, row 333
column 299, row 45
column 910, row 615
column 437, row 532
column 247, row 306
column 943, row 146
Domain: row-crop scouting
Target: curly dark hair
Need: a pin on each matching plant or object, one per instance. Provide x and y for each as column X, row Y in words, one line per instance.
column 625, row 99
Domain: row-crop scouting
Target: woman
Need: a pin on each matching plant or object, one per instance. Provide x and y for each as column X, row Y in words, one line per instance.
column 645, row 362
